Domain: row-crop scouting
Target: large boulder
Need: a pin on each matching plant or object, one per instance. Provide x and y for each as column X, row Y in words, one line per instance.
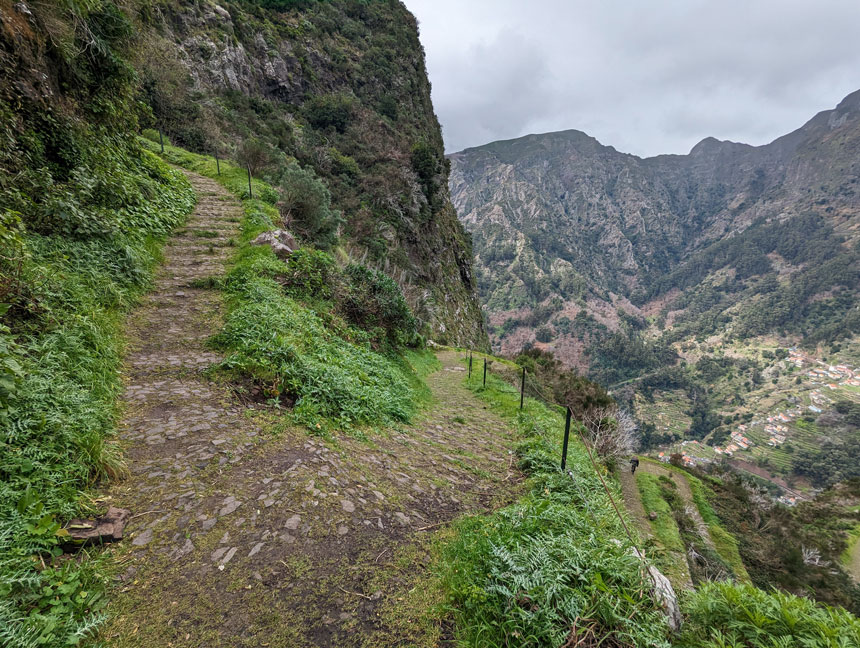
column 281, row 241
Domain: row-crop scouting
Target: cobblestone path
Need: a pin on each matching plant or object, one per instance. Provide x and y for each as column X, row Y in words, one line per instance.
column 247, row 532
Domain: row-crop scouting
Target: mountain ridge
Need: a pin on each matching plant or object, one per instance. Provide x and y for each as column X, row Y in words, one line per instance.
column 590, row 223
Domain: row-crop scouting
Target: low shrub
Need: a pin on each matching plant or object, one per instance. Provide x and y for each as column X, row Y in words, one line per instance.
column 311, row 274
column 372, row 299
column 306, row 206
column 725, row 614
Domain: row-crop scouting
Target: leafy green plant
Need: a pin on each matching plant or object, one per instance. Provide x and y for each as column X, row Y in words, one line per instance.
column 730, row 614
column 310, row 273
column 10, row 368
column 306, row 206
column 556, row 567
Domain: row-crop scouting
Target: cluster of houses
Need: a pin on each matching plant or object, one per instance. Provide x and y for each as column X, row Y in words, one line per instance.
column 819, row 401
column 823, row 373
column 832, row 376
column 739, row 442
column 796, row 357
column 776, row 428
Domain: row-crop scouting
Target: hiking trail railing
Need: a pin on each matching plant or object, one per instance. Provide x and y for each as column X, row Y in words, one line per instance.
column 512, row 374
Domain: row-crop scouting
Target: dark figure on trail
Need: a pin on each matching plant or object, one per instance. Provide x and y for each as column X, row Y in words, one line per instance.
column 634, row 464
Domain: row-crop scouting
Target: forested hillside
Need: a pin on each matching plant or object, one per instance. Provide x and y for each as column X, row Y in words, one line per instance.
column 330, row 103
column 583, row 248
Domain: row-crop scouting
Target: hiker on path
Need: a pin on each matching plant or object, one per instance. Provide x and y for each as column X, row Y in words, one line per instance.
column 634, row 464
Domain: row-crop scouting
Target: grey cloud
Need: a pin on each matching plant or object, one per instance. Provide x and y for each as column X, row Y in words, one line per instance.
column 646, row 77
column 504, row 85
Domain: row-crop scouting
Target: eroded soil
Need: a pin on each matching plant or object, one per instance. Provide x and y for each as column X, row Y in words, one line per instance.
column 248, row 532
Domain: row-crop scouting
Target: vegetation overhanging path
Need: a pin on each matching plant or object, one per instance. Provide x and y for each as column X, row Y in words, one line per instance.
column 250, row 532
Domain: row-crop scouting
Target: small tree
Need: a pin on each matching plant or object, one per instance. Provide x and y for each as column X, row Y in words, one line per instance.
column 611, row 432
column 544, row 334
column 254, row 154
column 306, row 206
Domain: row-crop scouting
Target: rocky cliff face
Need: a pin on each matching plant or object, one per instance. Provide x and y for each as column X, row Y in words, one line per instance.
column 571, row 235
column 341, row 87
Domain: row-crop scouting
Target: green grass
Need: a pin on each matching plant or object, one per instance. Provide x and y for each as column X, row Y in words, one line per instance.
column 205, row 234
column 846, row 559
column 522, row 576
column 724, row 542
column 57, row 438
column 665, row 528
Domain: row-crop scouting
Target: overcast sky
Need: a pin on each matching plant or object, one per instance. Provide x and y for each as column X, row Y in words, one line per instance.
column 645, row 76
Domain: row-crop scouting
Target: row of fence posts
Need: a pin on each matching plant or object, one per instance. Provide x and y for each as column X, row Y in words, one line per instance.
column 522, row 403
column 217, row 163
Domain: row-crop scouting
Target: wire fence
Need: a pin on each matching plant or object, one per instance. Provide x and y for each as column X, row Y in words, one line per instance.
column 515, row 375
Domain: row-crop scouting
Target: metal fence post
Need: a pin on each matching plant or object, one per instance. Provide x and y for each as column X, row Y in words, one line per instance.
column 250, row 190
column 566, row 437
column 470, row 365
column 523, row 388
column 485, row 372
column 217, row 163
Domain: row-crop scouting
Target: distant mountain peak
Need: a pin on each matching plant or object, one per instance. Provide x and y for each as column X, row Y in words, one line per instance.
column 564, row 227
column 712, row 145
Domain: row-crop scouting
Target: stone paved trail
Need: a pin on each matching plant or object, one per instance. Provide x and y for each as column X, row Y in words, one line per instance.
column 249, row 534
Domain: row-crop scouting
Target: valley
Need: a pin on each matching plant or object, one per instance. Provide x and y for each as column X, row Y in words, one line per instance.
column 766, row 420
column 714, row 293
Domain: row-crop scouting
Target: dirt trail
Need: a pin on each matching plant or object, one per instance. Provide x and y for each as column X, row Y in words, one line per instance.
column 247, row 537
column 632, row 500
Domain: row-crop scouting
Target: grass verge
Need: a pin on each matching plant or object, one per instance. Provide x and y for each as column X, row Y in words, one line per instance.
column 724, row 542
column 664, row 526
column 64, row 331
